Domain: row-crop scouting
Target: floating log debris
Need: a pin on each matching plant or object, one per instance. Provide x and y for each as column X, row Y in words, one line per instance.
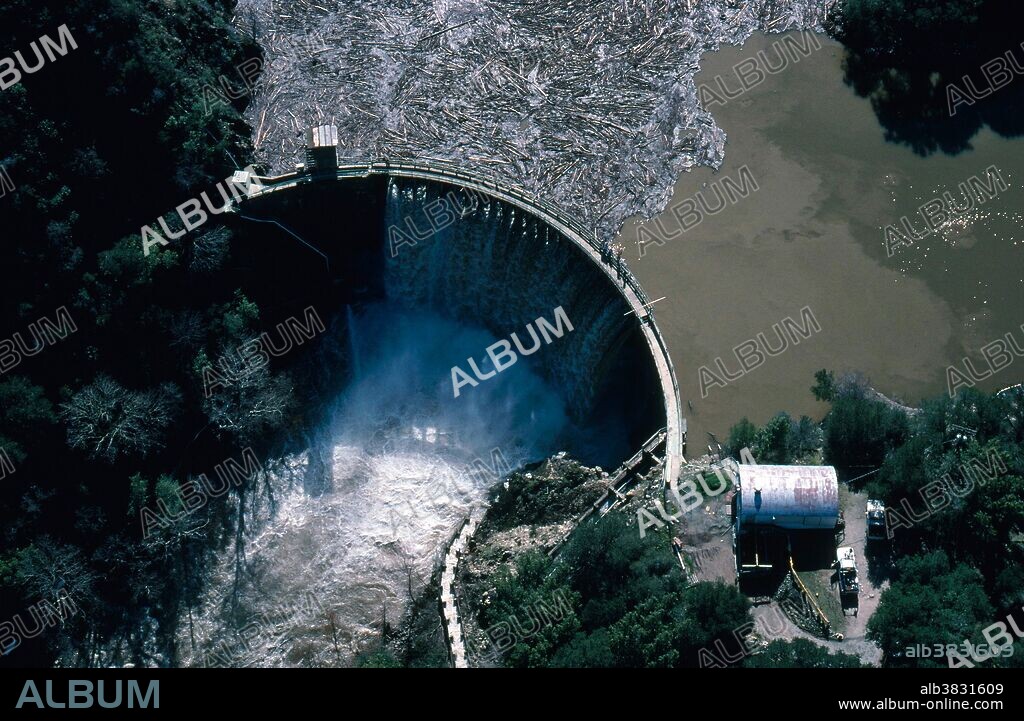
column 591, row 102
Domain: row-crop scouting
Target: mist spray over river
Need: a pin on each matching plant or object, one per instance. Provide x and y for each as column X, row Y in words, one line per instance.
column 396, row 450
column 342, row 536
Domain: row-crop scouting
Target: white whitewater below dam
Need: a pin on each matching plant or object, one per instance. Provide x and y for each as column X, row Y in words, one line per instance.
column 356, row 552
column 321, row 570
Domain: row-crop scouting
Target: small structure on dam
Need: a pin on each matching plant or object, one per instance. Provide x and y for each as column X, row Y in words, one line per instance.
column 321, row 149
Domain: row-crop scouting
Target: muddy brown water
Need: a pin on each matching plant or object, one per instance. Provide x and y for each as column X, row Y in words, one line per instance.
column 812, row 236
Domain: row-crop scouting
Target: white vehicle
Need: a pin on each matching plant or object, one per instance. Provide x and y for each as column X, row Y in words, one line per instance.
column 849, row 586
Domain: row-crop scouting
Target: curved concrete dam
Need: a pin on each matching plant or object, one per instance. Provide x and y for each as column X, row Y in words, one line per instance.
column 433, row 237
column 354, row 525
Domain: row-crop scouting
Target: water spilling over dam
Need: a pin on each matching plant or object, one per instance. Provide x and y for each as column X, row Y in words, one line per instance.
column 350, row 529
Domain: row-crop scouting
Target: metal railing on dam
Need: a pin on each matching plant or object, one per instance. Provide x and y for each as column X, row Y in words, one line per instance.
column 444, row 172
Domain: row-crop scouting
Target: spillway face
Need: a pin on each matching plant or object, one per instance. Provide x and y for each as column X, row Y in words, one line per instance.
column 501, row 267
column 394, row 461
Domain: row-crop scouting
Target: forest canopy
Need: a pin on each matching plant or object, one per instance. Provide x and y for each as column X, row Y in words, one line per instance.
column 110, row 418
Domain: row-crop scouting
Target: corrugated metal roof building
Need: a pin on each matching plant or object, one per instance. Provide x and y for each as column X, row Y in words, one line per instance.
column 791, row 497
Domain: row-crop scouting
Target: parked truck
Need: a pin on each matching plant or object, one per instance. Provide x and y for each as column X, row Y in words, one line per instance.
column 849, row 585
column 876, row 521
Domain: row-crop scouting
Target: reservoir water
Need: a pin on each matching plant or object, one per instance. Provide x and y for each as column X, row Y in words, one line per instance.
column 812, row 236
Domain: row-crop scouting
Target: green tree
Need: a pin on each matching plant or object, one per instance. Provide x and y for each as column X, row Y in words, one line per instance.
column 378, row 659
column 522, row 598
column 741, row 436
column 929, row 603
column 903, row 471
column 991, row 518
column 824, row 388
column 860, row 431
column 630, row 606
column 891, row 60
column 25, row 415
column 613, row 569
column 85, row 179
column 800, row 653
column 236, row 321
column 805, row 436
column 649, row 635
column 717, row 608
column 586, row 651
column 122, row 285
column 771, row 442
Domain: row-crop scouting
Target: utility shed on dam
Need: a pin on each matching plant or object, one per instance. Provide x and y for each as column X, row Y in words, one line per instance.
column 790, row 497
column 322, row 148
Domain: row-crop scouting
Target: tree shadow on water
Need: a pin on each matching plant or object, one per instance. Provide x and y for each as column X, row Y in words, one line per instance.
column 936, row 71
